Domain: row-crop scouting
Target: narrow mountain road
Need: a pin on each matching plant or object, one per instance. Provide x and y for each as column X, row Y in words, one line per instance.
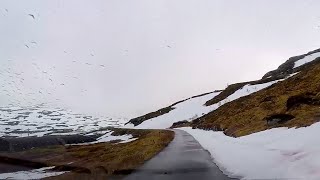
column 184, row 158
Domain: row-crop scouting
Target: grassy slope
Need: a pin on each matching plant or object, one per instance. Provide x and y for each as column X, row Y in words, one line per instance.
column 234, row 87
column 248, row 114
column 99, row 161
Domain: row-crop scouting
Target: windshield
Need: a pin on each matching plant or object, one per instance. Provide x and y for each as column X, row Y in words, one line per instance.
column 160, row 89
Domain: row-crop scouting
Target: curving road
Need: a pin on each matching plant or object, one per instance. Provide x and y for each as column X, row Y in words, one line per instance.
column 184, row 159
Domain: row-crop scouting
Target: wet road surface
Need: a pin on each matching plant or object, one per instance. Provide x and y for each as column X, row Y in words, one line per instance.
column 184, row 159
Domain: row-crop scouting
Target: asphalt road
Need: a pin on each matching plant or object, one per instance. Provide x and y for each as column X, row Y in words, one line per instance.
column 184, row 159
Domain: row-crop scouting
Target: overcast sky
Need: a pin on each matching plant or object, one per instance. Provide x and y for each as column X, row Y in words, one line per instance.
column 129, row 57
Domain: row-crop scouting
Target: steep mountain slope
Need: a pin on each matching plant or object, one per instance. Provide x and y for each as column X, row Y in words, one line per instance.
column 287, row 96
column 292, row 102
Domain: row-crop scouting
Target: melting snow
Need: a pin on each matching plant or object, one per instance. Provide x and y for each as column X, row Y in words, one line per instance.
column 306, row 59
column 273, row 154
column 32, row 174
column 194, row 108
column 107, row 137
column 245, row 91
column 129, row 140
column 40, row 121
column 187, row 110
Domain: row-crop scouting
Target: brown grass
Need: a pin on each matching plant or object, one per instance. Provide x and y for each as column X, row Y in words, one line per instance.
column 247, row 114
column 234, row 87
column 98, row 161
column 225, row 93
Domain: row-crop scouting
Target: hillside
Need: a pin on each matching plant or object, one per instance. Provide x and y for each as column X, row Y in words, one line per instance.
column 292, row 102
column 287, row 96
column 138, row 120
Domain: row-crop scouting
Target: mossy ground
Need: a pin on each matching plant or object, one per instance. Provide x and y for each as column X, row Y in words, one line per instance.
column 247, row 114
column 99, row 161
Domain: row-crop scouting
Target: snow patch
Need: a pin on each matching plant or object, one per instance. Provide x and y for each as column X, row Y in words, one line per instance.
column 32, row 174
column 245, row 91
column 306, row 59
column 129, row 140
column 107, row 137
column 279, row 153
column 187, row 110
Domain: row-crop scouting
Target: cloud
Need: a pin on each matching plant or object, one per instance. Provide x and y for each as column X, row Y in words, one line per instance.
column 154, row 53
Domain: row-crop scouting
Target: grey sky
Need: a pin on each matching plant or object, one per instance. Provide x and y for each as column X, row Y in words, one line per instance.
column 154, row 52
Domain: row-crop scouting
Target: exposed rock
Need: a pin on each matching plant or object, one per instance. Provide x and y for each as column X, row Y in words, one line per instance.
column 87, row 117
column 4, row 145
column 13, row 123
column 25, row 113
column 141, row 119
column 287, row 67
column 44, row 112
column 180, row 124
column 306, row 98
column 20, row 117
column 278, row 119
column 55, row 119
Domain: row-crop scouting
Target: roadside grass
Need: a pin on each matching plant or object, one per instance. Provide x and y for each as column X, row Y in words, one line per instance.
column 99, row 161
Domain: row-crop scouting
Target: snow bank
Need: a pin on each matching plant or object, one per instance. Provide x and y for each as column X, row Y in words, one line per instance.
column 273, row 154
column 107, row 137
column 129, row 140
column 306, row 59
column 32, row 174
column 194, row 108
